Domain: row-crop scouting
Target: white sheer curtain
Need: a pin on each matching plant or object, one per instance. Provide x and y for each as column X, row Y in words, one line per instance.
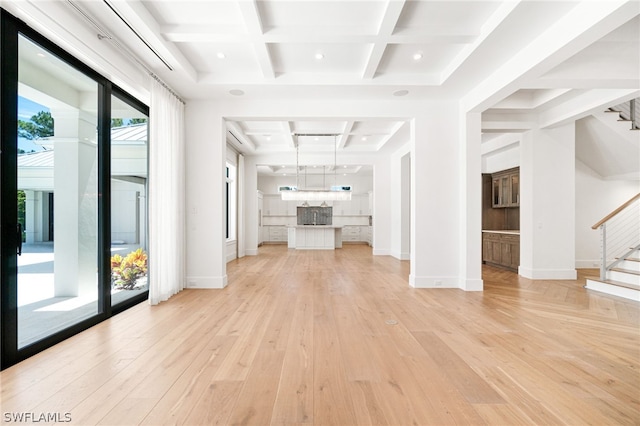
column 166, row 195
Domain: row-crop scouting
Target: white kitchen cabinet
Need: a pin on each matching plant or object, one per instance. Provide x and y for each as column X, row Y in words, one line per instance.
column 351, row 234
column 277, row 234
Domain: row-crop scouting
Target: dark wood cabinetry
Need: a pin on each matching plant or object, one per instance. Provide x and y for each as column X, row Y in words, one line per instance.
column 506, row 188
column 501, row 249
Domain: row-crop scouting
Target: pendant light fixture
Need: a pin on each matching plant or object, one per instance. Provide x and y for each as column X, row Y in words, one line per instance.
column 334, row 193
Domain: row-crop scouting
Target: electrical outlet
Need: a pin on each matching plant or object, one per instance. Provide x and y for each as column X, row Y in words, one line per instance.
column 192, row 283
column 438, row 283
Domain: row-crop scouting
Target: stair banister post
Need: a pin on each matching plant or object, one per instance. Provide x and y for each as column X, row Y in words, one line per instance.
column 603, row 251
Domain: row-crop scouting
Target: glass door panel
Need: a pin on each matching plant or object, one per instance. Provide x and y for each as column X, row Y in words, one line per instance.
column 129, row 147
column 515, row 189
column 57, row 194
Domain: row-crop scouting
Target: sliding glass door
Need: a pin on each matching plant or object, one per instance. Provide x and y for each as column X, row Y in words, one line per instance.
column 74, row 181
column 129, row 148
column 57, row 173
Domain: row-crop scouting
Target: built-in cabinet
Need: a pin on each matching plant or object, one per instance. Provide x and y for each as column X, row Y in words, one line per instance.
column 501, row 249
column 501, row 218
column 506, row 188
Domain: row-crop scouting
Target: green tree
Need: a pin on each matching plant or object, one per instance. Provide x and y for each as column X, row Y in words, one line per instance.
column 39, row 126
column 137, row 120
column 116, row 122
column 21, row 209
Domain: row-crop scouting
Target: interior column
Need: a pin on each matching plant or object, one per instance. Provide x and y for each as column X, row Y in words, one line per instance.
column 547, row 203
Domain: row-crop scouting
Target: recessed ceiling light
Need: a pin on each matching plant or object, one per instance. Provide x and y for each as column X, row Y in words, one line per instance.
column 236, row 92
column 364, row 138
column 400, row 93
column 316, row 139
column 221, row 55
column 269, row 138
column 344, row 166
column 42, row 55
column 282, row 167
column 319, row 56
column 417, row 56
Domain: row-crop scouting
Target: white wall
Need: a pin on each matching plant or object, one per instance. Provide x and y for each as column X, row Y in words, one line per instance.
column 435, row 199
column 205, row 195
column 595, row 198
column 401, row 197
column 547, row 207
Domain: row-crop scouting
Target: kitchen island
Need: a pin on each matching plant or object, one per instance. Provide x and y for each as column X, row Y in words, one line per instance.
column 314, row 237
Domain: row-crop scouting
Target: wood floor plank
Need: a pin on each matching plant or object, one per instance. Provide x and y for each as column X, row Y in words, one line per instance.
column 294, row 401
column 301, row 338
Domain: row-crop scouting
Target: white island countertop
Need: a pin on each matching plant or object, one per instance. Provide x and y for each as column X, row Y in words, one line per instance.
column 314, row 237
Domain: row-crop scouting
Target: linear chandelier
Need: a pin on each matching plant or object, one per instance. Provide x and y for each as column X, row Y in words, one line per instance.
column 334, row 193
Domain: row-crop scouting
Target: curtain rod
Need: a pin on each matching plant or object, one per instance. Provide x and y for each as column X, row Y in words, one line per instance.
column 105, row 35
column 163, row 84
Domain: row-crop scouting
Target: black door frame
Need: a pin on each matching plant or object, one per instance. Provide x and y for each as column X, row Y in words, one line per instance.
column 10, row 29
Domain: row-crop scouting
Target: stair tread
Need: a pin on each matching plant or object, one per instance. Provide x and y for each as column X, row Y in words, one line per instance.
column 616, row 283
column 626, row 271
column 630, row 259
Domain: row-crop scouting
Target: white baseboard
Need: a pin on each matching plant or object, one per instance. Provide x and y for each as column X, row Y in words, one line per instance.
column 472, row 285
column 401, row 255
column 433, row 282
column 548, row 274
column 588, row 264
column 207, row 282
column 381, row 252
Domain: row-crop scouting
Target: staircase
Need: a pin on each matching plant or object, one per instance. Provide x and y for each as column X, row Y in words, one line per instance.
column 620, row 252
column 628, row 112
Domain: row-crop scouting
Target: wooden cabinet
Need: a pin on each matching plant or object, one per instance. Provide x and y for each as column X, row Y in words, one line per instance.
column 505, row 190
column 501, row 249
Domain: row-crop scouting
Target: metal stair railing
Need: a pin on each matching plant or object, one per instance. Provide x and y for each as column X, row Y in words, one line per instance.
column 629, row 111
column 619, row 234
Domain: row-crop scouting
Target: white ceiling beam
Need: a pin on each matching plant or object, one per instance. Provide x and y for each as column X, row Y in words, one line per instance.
column 583, row 105
column 396, row 127
column 251, row 16
column 387, row 25
column 287, row 128
column 233, row 34
column 583, row 83
column 345, row 134
column 503, row 11
column 499, row 143
column 560, row 41
column 316, row 79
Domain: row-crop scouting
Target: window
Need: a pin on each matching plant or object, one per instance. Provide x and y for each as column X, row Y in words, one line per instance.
column 56, row 266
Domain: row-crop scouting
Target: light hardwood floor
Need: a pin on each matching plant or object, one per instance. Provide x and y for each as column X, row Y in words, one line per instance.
column 308, row 338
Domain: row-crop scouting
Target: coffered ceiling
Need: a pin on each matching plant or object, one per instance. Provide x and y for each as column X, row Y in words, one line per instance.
column 382, row 51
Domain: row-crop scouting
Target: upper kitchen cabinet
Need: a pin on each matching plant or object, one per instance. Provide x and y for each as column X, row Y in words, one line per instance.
column 506, row 188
